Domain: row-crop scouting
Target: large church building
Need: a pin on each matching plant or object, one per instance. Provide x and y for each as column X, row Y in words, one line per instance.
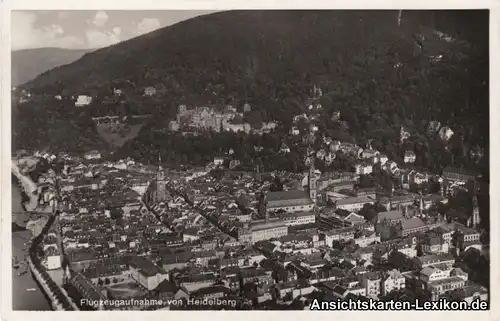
column 156, row 191
column 295, row 200
column 291, row 202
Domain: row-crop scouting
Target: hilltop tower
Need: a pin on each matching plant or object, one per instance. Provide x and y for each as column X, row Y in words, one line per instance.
column 160, row 182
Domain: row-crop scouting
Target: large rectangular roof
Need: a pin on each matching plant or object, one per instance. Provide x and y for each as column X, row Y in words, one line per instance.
column 288, row 198
column 390, row 216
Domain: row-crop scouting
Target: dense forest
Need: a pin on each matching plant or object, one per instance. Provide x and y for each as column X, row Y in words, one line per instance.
column 379, row 75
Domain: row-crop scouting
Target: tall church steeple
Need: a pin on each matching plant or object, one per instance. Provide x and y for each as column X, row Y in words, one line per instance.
column 441, row 186
column 262, row 206
column 476, row 220
column 160, row 168
column 312, row 181
column 160, row 181
column 421, row 205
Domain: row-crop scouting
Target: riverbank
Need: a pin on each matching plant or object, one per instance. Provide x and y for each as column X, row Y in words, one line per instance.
column 22, row 300
column 28, row 186
column 20, row 217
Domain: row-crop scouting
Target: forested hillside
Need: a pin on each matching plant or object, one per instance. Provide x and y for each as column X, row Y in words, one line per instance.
column 381, row 76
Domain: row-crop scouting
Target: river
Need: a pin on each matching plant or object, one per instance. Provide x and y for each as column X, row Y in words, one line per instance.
column 22, row 299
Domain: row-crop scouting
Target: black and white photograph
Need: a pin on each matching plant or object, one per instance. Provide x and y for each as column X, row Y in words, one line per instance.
column 320, row 159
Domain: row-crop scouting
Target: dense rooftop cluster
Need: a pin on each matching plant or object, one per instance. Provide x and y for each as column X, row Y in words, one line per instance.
column 259, row 239
column 313, row 186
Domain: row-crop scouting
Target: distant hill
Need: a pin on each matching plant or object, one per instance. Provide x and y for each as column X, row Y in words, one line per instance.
column 381, row 77
column 249, row 46
column 241, row 50
column 29, row 63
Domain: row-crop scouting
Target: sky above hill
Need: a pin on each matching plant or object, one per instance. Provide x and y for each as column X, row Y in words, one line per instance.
column 88, row 29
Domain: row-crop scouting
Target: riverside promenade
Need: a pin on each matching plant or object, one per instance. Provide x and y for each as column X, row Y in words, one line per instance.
column 28, row 186
column 59, row 299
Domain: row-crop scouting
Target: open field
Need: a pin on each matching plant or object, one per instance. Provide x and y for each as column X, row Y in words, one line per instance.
column 118, row 134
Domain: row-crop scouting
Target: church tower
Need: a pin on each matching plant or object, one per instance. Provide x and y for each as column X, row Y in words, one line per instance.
column 160, row 181
column 312, row 182
column 441, row 186
column 262, row 210
column 476, row 220
column 421, row 205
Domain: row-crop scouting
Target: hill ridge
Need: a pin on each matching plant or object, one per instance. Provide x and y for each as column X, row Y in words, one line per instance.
column 377, row 75
column 27, row 64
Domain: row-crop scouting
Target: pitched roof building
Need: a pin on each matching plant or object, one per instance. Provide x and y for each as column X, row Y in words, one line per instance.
column 290, row 201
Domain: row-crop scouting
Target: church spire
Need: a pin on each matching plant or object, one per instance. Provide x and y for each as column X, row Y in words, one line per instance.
column 311, row 177
column 476, row 220
column 159, row 162
column 160, row 182
column 262, row 206
column 421, row 204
